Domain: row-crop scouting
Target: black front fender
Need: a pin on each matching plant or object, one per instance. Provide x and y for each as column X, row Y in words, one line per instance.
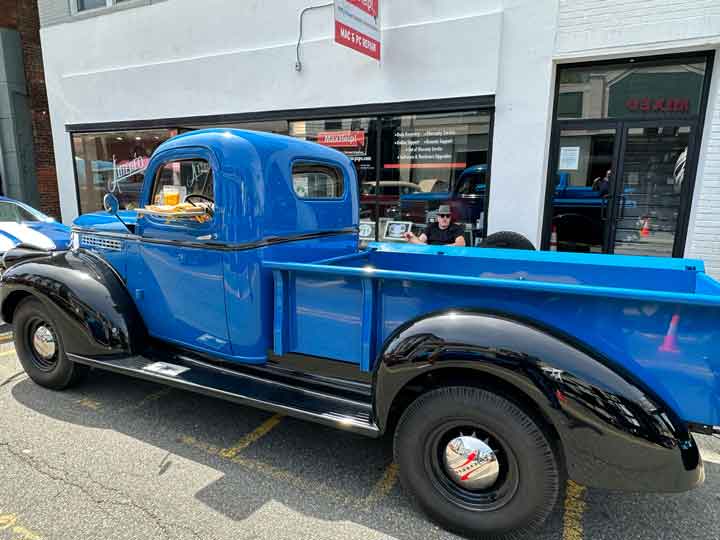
column 86, row 298
column 615, row 433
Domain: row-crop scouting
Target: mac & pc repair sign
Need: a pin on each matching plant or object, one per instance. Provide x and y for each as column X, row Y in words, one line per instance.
column 357, row 25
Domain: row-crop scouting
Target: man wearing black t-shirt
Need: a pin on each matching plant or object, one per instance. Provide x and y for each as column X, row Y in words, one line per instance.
column 441, row 233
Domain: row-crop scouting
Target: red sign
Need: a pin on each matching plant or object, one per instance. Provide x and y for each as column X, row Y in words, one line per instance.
column 357, row 25
column 342, row 139
column 370, row 7
column 646, row 104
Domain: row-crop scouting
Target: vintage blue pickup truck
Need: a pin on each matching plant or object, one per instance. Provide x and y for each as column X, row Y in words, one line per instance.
column 499, row 372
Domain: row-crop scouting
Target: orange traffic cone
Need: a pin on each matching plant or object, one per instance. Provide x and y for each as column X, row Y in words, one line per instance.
column 553, row 238
column 669, row 344
column 645, row 229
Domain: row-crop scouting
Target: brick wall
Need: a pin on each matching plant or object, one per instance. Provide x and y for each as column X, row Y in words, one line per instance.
column 22, row 15
column 595, row 25
column 704, row 233
column 8, row 13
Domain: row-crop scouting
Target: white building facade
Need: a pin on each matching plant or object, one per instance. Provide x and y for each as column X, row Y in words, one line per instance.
column 585, row 125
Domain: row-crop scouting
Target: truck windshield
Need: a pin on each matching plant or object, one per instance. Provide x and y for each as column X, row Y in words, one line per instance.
column 14, row 213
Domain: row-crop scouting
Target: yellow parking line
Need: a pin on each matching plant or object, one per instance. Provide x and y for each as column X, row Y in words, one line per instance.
column 9, row 523
column 11, row 352
column 147, row 399
column 251, row 437
column 309, row 487
column 383, row 486
column 89, row 404
column 269, row 470
column 574, row 509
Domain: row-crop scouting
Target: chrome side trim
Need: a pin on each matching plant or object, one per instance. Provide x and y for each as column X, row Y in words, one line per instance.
column 221, row 246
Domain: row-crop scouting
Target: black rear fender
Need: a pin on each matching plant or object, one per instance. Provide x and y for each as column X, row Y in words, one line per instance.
column 87, row 299
column 614, row 432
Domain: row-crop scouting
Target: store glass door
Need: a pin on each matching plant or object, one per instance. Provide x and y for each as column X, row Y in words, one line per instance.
column 584, row 188
column 649, row 194
column 624, row 152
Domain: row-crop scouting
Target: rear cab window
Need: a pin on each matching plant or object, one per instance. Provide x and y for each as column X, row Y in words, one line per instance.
column 317, row 181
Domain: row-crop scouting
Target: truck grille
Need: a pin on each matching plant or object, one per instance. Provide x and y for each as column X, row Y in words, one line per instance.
column 100, row 242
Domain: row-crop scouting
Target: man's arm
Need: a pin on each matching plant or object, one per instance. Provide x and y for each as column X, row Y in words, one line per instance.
column 459, row 241
column 411, row 238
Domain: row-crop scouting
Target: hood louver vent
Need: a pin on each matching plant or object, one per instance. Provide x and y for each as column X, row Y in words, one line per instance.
column 92, row 241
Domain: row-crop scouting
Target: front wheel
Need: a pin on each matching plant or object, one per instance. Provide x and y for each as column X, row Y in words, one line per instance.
column 476, row 463
column 39, row 347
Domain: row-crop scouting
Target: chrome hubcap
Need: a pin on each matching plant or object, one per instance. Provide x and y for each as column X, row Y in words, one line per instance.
column 471, row 463
column 44, row 342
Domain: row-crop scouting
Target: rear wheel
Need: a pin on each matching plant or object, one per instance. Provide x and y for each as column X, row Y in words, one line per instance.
column 476, row 463
column 40, row 348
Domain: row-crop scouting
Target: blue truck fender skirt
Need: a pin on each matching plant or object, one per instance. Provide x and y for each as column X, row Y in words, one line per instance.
column 85, row 297
column 614, row 433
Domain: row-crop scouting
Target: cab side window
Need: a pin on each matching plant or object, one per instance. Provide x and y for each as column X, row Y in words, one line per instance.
column 472, row 184
column 184, row 180
column 317, row 181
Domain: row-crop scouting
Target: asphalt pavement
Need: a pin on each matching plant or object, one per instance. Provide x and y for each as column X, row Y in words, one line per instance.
column 117, row 458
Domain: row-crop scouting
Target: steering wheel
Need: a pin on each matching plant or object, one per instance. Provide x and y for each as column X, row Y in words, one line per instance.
column 197, row 195
column 210, row 209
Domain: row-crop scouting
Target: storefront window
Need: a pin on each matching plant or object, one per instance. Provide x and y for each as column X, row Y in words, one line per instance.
column 406, row 165
column 632, row 89
column 83, row 5
column 113, row 162
column 434, row 159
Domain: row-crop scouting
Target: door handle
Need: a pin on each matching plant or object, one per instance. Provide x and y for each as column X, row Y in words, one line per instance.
column 605, row 204
column 181, row 257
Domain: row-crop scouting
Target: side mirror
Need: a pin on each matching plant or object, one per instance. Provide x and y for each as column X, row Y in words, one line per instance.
column 111, row 204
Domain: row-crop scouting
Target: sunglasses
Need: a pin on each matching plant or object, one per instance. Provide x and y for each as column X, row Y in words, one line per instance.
column 444, row 215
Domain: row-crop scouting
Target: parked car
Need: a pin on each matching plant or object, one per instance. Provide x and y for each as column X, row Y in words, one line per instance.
column 386, row 194
column 22, row 224
column 499, row 372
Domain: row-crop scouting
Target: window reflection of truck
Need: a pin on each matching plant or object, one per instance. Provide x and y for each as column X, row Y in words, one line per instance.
column 580, row 214
column 466, row 198
column 578, row 211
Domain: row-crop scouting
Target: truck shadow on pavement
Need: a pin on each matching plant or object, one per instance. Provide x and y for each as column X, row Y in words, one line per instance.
column 319, row 472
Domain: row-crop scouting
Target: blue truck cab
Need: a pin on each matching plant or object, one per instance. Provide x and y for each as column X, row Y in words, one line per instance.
column 498, row 371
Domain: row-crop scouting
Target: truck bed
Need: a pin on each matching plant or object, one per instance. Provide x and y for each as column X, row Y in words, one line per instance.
column 656, row 319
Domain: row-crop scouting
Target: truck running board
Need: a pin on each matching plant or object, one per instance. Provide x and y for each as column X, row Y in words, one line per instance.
column 323, row 408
